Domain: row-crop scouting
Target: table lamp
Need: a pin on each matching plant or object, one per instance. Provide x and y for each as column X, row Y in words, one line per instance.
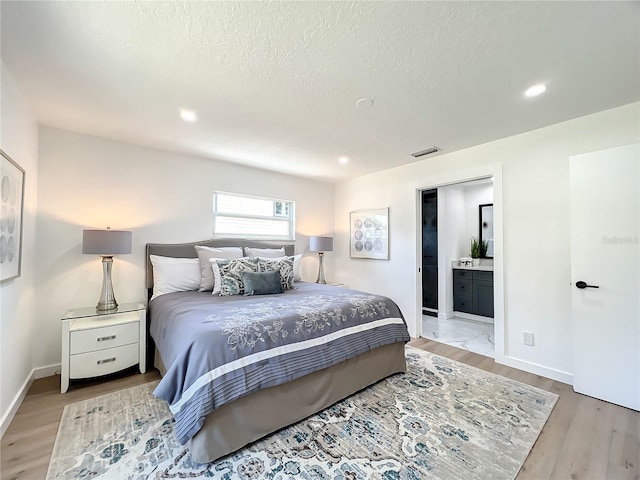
column 106, row 244
column 321, row 245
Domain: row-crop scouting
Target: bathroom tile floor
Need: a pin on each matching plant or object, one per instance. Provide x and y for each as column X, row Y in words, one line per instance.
column 471, row 335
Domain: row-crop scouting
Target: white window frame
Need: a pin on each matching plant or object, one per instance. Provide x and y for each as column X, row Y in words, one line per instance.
column 278, row 215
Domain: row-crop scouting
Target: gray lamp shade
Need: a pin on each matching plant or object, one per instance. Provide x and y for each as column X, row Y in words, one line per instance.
column 321, row 244
column 106, row 242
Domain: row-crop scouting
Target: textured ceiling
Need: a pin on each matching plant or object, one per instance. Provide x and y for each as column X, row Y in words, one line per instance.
column 275, row 83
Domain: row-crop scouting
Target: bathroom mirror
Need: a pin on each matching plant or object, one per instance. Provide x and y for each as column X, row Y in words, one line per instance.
column 486, row 228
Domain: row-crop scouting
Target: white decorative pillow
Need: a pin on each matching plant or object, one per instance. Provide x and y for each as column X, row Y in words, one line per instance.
column 174, row 274
column 230, row 272
column 217, row 279
column 297, row 261
column 207, row 280
column 264, row 252
column 284, row 265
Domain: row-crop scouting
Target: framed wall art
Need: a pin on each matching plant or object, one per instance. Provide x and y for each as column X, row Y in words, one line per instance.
column 369, row 234
column 11, row 212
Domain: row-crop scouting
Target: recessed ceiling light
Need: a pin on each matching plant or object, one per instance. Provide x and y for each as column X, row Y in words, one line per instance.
column 188, row 115
column 343, row 160
column 364, row 103
column 535, row 90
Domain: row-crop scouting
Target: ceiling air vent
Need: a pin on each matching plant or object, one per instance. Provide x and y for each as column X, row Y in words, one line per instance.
column 428, row 151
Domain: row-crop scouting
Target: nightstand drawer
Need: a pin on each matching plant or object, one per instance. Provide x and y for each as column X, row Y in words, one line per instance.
column 102, row 362
column 84, row 341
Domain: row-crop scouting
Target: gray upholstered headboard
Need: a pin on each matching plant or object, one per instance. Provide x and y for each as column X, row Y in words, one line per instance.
column 186, row 250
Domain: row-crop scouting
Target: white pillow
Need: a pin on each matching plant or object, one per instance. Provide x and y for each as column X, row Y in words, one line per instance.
column 264, row 252
column 217, row 277
column 174, row 274
column 297, row 261
column 205, row 254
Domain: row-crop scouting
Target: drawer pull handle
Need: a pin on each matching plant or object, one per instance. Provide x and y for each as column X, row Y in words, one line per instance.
column 106, row 360
column 110, row 337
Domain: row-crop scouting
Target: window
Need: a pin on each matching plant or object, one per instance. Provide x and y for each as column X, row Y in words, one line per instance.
column 245, row 216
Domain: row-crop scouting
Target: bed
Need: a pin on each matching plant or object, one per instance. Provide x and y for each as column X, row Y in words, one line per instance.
column 283, row 357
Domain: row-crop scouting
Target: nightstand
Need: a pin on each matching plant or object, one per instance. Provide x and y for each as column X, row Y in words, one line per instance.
column 96, row 344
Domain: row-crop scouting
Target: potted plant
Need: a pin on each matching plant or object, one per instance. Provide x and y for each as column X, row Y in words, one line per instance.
column 478, row 250
column 475, row 251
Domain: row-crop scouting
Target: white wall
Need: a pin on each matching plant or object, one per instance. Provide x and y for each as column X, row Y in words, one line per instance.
column 19, row 140
column 161, row 196
column 452, row 242
column 533, row 195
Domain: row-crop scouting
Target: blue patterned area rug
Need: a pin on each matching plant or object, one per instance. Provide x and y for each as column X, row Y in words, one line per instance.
column 441, row 420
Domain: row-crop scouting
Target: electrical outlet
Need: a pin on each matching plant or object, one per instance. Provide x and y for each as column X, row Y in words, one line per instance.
column 527, row 338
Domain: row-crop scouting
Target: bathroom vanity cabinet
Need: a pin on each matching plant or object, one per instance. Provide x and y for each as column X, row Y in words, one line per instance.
column 473, row 291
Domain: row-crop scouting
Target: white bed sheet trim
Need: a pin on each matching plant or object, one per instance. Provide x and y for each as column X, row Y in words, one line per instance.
column 274, row 352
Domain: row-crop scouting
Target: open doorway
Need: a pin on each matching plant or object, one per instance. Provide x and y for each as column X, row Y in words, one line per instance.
column 430, row 252
column 460, row 278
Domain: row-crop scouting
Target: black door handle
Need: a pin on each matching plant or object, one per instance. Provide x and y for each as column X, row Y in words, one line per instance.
column 581, row 284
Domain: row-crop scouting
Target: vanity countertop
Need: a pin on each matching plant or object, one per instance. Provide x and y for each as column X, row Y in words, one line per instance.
column 481, row 268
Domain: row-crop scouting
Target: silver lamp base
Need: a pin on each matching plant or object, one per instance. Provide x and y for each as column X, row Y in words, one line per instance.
column 320, row 278
column 107, row 302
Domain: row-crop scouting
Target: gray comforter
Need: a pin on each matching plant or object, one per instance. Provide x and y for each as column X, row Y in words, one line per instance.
column 218, row 349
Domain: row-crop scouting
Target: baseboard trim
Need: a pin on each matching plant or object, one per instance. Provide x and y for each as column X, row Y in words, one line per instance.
column 15, row 404
column 40, row 372
column 552, row 373
column 471, row 316
column 47, row 371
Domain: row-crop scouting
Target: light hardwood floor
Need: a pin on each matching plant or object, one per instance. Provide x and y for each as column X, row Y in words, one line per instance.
column 26, row 446
column 584, row 438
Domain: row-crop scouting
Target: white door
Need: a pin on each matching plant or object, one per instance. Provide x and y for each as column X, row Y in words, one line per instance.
column 605, row 252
